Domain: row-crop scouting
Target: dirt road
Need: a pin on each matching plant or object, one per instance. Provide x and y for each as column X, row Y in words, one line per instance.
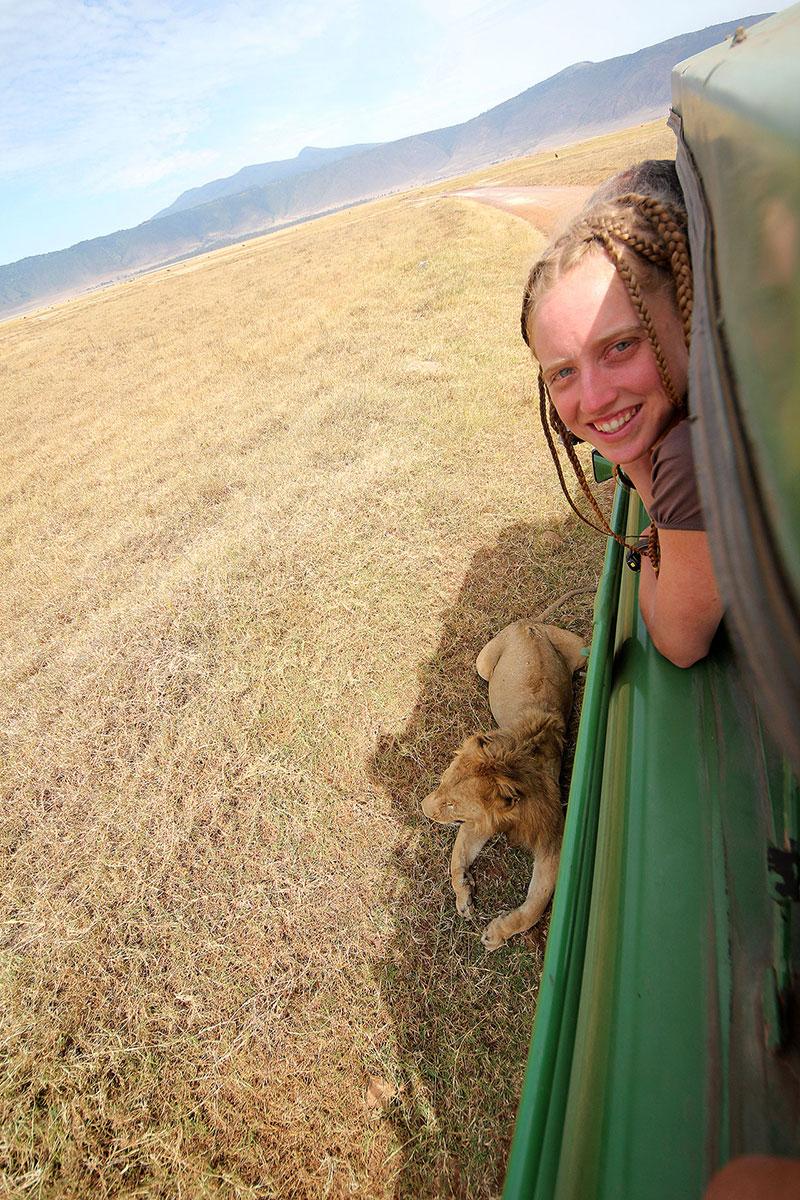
column 548, row 208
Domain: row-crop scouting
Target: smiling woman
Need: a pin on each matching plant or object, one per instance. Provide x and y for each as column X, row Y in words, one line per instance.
column 599, row 366
column 607, row 312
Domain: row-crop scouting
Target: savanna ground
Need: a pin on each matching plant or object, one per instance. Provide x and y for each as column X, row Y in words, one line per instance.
column 261, row 511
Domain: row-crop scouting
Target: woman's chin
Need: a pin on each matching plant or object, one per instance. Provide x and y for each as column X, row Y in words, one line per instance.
column 625, row 450
column 615, row 454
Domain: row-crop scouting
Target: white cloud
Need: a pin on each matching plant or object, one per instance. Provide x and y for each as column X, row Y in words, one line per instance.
column 88, row 81
column 144, row 172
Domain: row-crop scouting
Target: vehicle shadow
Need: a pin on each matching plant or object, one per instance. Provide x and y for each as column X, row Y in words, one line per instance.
column 462, row 1018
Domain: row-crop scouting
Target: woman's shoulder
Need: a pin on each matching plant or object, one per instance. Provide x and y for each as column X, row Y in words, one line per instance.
column 675, row 444
column 676, row 501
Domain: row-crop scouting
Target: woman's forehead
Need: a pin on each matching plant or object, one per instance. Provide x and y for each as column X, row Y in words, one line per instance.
column 589, row 300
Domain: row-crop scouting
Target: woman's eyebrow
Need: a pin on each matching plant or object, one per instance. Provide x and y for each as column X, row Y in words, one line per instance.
column 556, row 365
column 617, row 334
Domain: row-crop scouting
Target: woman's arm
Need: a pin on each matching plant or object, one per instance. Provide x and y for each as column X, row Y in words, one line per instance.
column 681, row 606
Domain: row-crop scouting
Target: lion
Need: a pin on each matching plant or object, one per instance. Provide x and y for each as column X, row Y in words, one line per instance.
column 507, row 780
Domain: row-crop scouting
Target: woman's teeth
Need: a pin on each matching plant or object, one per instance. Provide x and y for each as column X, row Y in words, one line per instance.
column 616, row 422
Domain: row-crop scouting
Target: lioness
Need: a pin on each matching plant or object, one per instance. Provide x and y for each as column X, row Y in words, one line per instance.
column 507, row 780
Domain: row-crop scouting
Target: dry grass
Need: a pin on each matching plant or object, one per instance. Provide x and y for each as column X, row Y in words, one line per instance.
column 262, row 512
column 581, row 163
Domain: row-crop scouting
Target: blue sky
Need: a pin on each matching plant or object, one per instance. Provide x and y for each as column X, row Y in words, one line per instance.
column 111, row 108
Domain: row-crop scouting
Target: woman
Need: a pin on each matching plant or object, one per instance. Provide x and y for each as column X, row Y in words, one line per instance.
column 607, row 312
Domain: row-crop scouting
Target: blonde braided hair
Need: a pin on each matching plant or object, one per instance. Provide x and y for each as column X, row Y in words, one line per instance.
column 646, row 240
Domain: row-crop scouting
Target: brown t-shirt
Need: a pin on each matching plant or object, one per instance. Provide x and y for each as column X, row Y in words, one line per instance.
column 676, row 502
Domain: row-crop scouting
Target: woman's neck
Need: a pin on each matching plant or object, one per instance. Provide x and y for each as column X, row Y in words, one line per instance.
column 640, row 473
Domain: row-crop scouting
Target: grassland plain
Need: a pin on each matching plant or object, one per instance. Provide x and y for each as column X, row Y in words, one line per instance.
column 260, row 513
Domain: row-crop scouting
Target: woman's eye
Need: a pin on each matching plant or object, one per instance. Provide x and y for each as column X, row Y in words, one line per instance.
column 621, row 346
column 560, row 376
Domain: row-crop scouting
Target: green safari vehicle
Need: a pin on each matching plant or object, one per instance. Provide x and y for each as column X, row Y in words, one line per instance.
column 666, row 1040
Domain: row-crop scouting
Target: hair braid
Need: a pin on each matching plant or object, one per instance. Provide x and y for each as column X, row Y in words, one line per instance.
column 607, row 239
column 670, row 225
column 549, row 417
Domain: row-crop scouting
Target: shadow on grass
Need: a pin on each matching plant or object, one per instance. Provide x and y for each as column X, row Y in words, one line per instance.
column 462, row 1017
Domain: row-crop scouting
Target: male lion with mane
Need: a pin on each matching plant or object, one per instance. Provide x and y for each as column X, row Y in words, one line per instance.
column 507, row 780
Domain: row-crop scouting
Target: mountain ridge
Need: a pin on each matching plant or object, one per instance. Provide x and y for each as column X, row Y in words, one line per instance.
column 584, row 99
column 260, row 174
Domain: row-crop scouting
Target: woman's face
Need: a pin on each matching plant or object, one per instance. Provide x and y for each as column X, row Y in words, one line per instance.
column 598, row 363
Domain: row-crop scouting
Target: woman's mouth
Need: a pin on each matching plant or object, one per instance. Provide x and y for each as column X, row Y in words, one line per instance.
column 617, row 422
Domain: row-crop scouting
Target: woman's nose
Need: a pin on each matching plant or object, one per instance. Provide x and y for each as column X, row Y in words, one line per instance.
column 597, row 391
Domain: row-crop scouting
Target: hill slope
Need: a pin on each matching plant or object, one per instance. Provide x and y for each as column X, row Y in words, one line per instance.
column 258, row 176
column 582, row 100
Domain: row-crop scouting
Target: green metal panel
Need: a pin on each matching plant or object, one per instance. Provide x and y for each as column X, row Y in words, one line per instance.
column 650, row 1063
column 541, row 1111
column 737, row 116
column 740, row 109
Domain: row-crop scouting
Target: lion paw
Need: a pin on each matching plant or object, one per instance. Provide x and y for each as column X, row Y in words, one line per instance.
column 462, row 886
column 492, row 938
